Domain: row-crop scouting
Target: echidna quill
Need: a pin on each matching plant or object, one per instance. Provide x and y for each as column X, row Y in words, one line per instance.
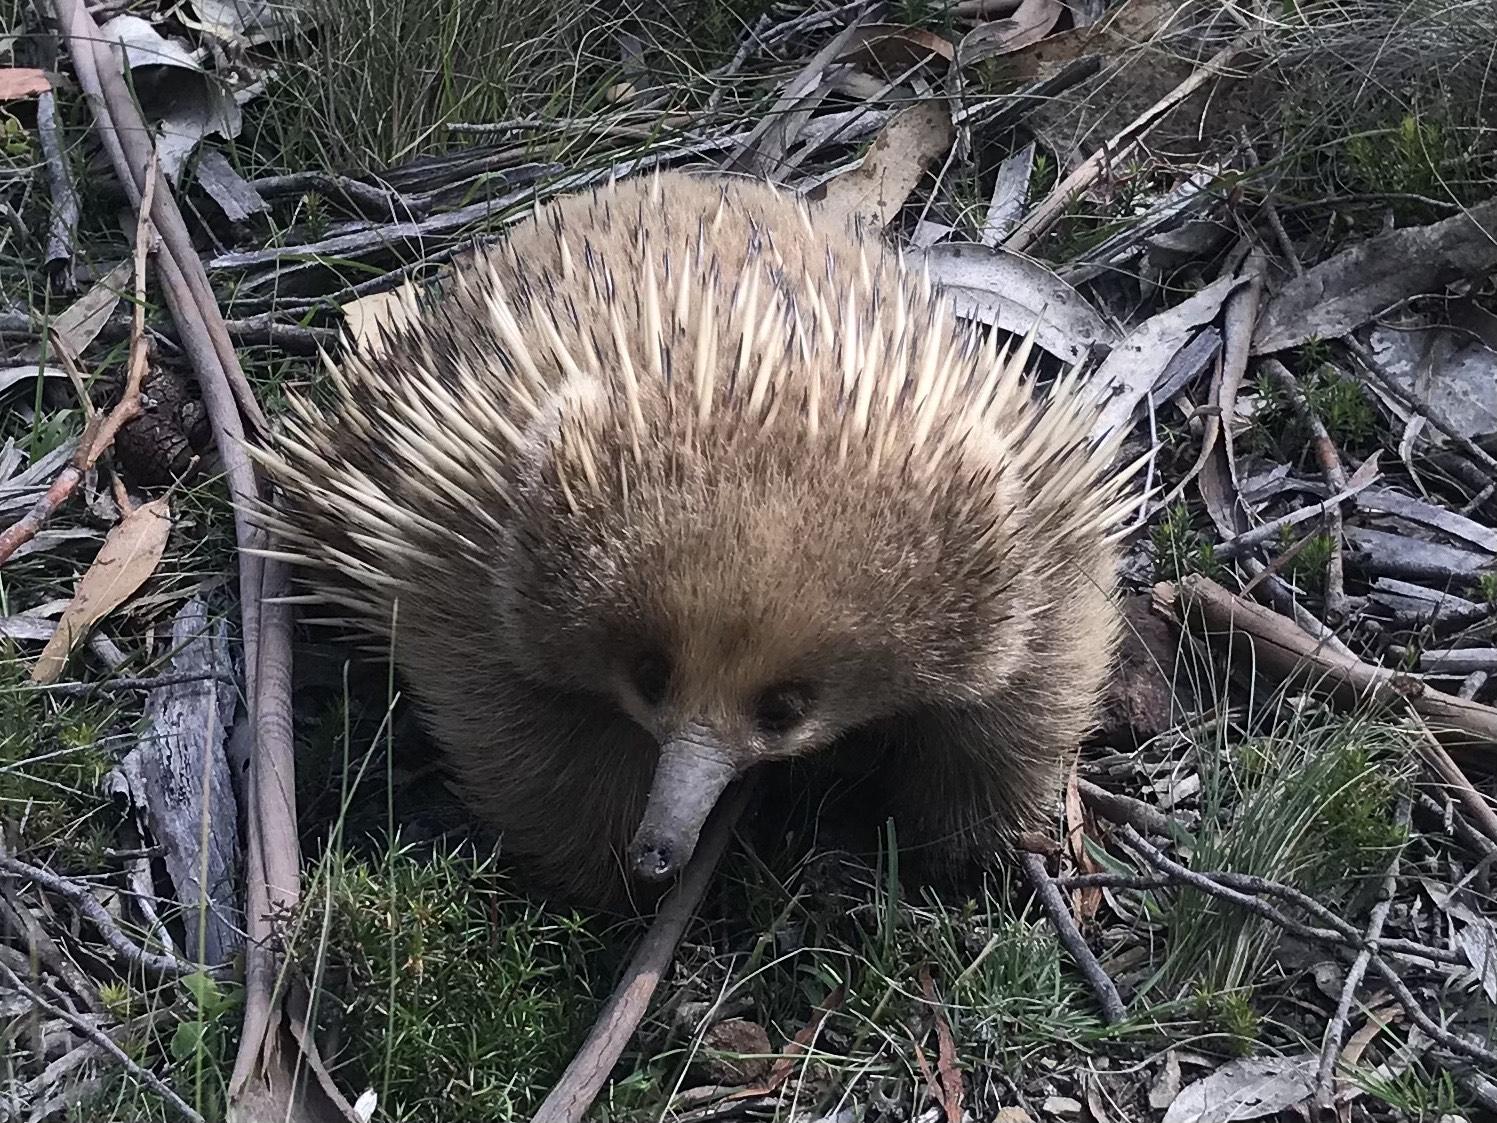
column 681, row 480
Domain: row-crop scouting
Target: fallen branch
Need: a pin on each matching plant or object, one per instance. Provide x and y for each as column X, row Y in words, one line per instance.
column 584, row 1078
column 103, row 1041
column 1048, row 892
column 163, row 966
column 1276, row 646
column 25, row 528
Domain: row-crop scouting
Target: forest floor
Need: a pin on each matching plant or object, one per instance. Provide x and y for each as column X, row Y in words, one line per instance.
column 1270, row 228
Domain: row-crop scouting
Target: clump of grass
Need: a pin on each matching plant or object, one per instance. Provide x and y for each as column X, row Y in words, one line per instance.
column 1308, row 802
column 53, row 754
column 456, row 998
column 373, row 84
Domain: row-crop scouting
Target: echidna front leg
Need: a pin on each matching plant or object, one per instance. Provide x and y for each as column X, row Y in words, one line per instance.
column 961, row 783
column 560, row 777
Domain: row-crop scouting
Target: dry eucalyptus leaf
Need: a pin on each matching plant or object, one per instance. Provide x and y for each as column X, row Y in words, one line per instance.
column 1346, row 291
column 251, row 22
column 22, row 82
column 1004, row 289
column 129, row 555
column 183, row 100
column 1031, row 22
column 1246, row 1089
column 1131, row 370
column 878, row 187
column 77, row 325
column 12, row 376
column 1451, row 372
column 892, row 48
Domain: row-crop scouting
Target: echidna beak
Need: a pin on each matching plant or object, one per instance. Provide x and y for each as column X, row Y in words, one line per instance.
column 691, row 774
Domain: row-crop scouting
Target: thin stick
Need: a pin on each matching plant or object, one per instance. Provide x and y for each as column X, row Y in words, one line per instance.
column 164, row 966
column 1335, row 478
column 1335, row 1032
column 1126, row 809
column 1118, row 148
column 25, row 528
column 1451, row 1041
column 1113, row 1010
column 584, row 1078
column 103, row 1041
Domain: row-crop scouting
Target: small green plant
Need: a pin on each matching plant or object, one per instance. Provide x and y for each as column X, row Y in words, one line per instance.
column 1307, row 801
column 1179, row 548
column 1488, row 587
column 1308, row 565
column 457, row 999
column 1350, row 419
column 202, row 1043
column 1230, row 1021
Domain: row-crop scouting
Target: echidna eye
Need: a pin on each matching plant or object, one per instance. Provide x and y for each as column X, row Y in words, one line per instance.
column 652, row 677
column 781, row 708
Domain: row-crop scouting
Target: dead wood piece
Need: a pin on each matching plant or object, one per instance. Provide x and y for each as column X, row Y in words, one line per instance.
column 163, row 966
column 1045, row 888
column 1276, row 647
column 1285, row 600
column 580, row 1084
column 101, row 1039
column 178, row 778
column 1379, row 553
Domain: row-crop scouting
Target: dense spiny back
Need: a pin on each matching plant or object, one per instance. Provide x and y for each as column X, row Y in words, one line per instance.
column 626, row 339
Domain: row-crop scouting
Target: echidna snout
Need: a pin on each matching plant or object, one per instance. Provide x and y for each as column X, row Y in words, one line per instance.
column 691, row 774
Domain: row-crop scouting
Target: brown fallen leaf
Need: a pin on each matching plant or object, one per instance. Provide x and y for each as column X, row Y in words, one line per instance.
column 898, row 157
column 1084, row 902
column 947, row 1083
column 22, row 81
column 129, row 555
column 1030, row 23
column 892, row 48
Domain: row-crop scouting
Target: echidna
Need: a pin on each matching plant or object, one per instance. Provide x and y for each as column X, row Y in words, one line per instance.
column 681, row 479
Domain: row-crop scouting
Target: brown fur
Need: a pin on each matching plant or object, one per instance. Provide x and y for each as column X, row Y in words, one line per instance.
column 916, row 539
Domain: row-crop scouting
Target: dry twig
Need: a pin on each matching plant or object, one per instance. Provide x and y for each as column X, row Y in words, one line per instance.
column 1050, row 209
column 1335, row 1031
column 165, row 966
column 103, row 1041
column 579, row 1085
column 1048, row 892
